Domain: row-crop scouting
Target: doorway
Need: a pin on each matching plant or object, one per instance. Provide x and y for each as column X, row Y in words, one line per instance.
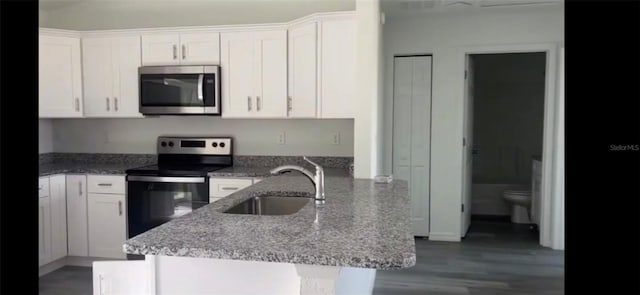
column 412, row 133
column 503, row 144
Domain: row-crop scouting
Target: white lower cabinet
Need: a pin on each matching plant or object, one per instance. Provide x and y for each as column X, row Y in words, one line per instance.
column 58, row 196
column 220, row 187
column 44, row 231
column 77, row 223
column 107, row 225
column 122, row 277
column 52, row 219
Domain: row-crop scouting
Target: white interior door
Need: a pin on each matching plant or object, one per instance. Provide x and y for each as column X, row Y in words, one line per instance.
column 467, row 157
column 411, row 133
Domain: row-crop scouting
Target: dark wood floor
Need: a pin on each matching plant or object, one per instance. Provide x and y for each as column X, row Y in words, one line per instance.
column 495, row 258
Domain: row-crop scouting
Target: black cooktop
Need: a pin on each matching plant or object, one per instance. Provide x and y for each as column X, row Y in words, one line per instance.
column 191, row 170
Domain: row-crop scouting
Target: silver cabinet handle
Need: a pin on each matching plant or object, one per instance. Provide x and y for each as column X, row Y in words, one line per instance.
column 289, row 104
column 228, row 188
column 108, row 107
column 120, row 208
column 100, row 284
column 184, row 52
column 175, row 51
column 257, row 103
column 77, row 104
column 105, row 184
column 40, row 188
column 115, row 103
column 80, row 188
column 249, row 103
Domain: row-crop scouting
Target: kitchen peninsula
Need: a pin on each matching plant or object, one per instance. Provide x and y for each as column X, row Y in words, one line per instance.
column 331, row 248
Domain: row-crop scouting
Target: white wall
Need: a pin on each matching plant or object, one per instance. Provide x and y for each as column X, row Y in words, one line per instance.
column 45, row 136
column 368, row 89
column 252, row 137
column 443, row 35
column 508, row 116
column 92, row 15
column 42, row 18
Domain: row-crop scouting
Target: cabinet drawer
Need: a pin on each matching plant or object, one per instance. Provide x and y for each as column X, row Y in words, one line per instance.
column 222, row 187
column 43, row 187
column 106, row 184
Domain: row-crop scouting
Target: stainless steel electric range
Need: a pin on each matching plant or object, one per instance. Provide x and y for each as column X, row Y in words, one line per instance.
column 178, row 184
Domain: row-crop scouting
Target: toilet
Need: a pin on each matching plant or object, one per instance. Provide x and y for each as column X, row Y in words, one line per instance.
column 520, row 201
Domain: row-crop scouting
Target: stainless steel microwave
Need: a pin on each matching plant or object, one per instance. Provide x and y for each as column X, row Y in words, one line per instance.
column 179, row 90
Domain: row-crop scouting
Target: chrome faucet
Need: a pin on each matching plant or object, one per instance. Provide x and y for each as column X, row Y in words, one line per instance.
column 317, row 178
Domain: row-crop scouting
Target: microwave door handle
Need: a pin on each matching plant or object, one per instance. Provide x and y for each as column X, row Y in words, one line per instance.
column 201, row 86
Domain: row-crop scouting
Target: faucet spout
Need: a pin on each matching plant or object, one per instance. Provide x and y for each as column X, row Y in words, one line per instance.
column 316, row 178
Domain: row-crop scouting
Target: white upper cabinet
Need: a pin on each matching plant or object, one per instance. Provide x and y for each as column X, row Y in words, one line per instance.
column 302, row 71
column 254, row 74
column 338, row 68
column 160, row 49
column 196, row 48
column 200, row 48
column 270, row 75
column 111, row 76
column 59, row 77
column 236, row 52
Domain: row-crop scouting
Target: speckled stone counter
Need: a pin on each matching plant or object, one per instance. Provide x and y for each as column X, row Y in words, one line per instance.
column 362, row 224
column 84, row 168
column 77, row 163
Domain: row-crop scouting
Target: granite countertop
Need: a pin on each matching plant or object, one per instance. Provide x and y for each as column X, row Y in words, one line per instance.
column 85, row 168
column 362, row 224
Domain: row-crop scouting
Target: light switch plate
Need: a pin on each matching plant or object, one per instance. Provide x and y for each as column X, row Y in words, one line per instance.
column 282, row 138
column 335, row 138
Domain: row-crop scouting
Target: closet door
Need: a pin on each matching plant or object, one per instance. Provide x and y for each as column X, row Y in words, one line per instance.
column 411, row 133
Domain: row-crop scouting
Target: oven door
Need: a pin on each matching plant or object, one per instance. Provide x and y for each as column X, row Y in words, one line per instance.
column 154, row 200
column 179, row 90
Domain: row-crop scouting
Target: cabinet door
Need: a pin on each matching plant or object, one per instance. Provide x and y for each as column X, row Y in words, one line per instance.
column 107, row 227
column 98, row 66
column 58, row 201
column 77, row 232
column 59, row 77
column 126, row 54
column 123, row 277
column 338, row 68
column 160, row 49
column 270, row 74
column 44, row 231
column 236, row 52
column 200, row 48
column 302, row 72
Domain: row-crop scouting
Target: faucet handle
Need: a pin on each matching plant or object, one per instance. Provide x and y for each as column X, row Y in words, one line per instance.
column 318, row 167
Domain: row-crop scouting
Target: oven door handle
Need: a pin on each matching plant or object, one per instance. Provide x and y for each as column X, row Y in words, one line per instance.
column 166, row 179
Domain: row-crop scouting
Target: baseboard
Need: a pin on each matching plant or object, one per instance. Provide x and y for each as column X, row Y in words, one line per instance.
column 51, row 266
column 445, row 237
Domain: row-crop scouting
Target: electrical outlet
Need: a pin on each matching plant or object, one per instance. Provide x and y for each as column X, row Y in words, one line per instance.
column 282, row 139
column 335, row 138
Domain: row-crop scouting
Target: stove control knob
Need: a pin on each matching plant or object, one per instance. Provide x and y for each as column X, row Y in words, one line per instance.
column 214, row 144
column 171, row 144
column 222, row 144
column 163, row 144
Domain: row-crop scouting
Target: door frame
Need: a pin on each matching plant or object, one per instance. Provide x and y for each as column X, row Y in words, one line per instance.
column 551, row 199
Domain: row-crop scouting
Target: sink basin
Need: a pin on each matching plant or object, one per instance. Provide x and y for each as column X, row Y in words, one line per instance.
column 269, row 205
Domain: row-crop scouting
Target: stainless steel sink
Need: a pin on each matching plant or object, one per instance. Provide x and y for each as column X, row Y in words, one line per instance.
column 270, row 205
